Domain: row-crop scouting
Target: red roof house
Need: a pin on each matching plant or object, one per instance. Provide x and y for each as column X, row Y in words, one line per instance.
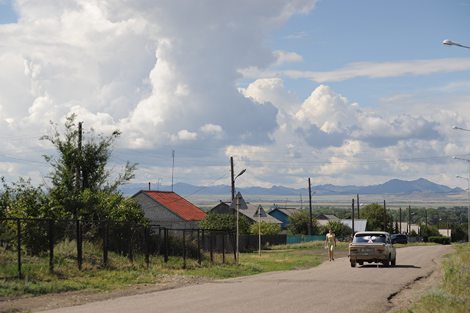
column 169, row 209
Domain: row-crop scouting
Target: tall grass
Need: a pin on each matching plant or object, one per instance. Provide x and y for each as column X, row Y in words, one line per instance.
column 453, row 293
column 121, row 272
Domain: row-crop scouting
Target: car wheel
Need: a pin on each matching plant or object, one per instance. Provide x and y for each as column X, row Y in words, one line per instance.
column 387, row 262
column 394, row 261
column 353, row 264
column 360, row 263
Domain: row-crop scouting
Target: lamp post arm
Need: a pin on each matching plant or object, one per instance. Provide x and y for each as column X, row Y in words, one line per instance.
column 449, row 42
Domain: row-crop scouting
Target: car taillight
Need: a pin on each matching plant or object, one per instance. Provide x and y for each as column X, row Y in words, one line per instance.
column 353, row 249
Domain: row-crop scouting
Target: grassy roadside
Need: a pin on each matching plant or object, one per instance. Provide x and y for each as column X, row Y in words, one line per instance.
column 452, row 295
column 122, row 273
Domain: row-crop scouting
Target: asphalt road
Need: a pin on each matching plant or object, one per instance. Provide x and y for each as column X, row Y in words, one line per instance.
column 330, row 287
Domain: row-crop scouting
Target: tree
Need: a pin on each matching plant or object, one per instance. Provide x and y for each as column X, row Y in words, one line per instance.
column 80, row 178
column 339, row 229
column 218, row 221
column 428, row 231
column 265, row 228
column 299, row 222
column 375, row 215
column 23, row 200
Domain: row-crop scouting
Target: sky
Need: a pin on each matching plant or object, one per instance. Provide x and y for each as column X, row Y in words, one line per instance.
column 342, row 92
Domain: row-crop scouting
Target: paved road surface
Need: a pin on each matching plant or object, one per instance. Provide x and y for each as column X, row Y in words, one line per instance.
column 330, row 287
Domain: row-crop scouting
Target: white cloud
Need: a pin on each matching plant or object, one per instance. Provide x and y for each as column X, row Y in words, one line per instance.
column 137, row 66
column 184, row 134
column 286, row 57
column 367, row 69
column 166, row 75
column 212, row 129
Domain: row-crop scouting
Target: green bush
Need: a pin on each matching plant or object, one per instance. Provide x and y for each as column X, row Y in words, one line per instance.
column 266, row 228
column 219, row 221
column 299, row 223
column 340, row 230
column 439, row 239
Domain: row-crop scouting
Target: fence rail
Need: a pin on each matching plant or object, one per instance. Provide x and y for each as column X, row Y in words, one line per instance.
column 38, row 236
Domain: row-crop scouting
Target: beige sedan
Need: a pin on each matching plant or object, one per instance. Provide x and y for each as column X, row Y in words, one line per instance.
column 372, row 247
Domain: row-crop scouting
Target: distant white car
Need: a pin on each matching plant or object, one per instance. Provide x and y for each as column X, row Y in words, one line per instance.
column 372, row 247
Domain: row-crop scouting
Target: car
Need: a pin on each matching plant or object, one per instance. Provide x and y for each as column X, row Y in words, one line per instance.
column 399, row 238
column 372, row 247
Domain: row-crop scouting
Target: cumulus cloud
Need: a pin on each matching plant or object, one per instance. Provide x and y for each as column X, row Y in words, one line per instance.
column 163, row 72
column 166, row 74
column 286, row 57
column 327, row 119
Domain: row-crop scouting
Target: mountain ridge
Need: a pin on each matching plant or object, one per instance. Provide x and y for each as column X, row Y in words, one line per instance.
column 390, row 187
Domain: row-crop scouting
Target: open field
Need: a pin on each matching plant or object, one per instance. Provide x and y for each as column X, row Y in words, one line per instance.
column 341, row 201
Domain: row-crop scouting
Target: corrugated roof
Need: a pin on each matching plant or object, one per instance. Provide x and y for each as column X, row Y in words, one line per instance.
column 251, row 211
column 178, row 205
column 287, row 211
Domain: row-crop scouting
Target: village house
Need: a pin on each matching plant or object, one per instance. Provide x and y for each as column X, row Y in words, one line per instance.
column 254, row 213
column 359, row 224
column 168, row 209
column 283, row 214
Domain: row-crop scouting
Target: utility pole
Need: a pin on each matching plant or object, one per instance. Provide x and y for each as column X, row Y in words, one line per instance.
column 172, row 168
column 310, row 226
column 352, row 215
column 426, row 218
column 233, row 179
column 79, row 187
column 385, row 216
column 399, row 212
column 78, row 179
column 358, row 205
column 409, row 219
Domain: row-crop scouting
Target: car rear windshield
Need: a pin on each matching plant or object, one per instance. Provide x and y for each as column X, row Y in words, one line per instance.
column 369, row 238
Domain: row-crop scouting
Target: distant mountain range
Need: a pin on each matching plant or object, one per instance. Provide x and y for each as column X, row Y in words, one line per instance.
column 391, row 187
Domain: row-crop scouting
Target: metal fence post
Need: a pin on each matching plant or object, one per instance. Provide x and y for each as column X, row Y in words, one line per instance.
column 165, row 232
column 105, row 243
column 159, row 240
column 199, row 260
column 147, row 246
column 131, row 243
column 184, row 248
column 18, row 229
column 234, row 247
column 211, row 248
column 51, row 246
column 223, row 247
column 79, row 245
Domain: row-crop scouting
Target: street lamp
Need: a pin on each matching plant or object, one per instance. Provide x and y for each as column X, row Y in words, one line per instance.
column 238, row 218
column 460, row 128
column 449, row 42
column 468, row 194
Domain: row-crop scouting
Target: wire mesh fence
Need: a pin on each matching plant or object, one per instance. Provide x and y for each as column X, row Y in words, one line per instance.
column 45, row 245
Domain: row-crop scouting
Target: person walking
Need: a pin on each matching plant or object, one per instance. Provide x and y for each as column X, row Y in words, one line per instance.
column 330, row 244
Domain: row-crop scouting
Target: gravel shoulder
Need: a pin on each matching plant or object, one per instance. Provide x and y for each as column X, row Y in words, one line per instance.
column 416, row 289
